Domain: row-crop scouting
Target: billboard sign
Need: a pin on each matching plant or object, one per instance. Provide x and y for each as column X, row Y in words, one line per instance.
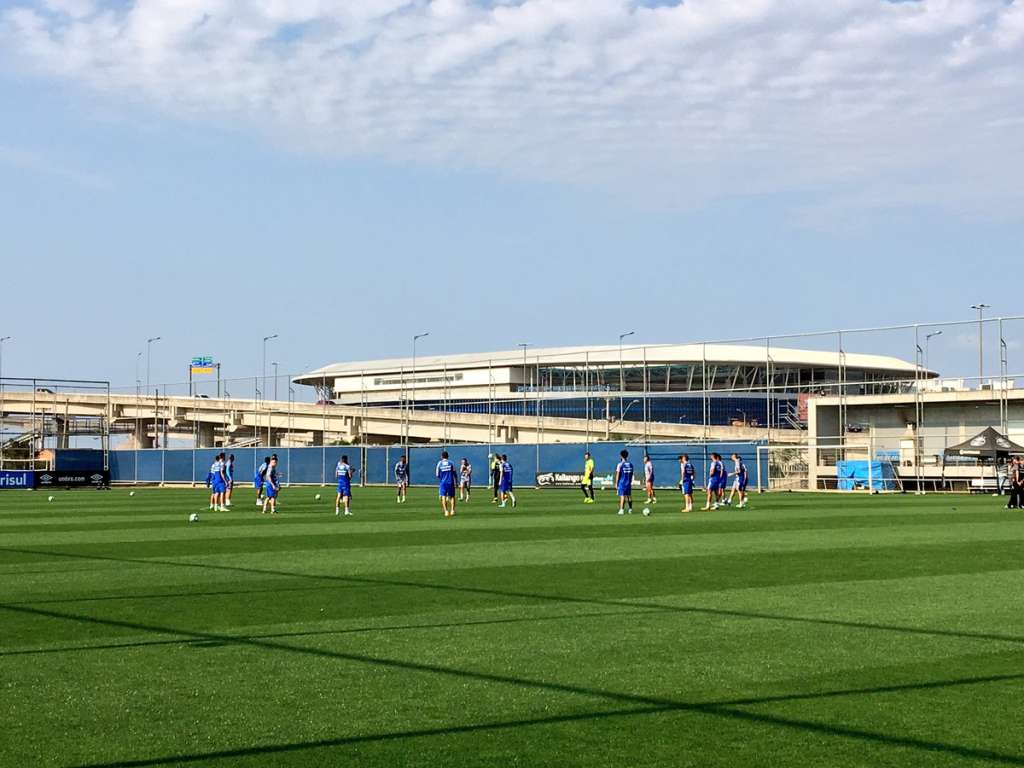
column 16, row 479
column 201, row 364
column 95, row 479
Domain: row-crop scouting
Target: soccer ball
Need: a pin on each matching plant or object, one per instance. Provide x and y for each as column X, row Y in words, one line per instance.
column 49, row 498
column 647, row 511
column 317, row 497
column 131, row 493
column 194, row 517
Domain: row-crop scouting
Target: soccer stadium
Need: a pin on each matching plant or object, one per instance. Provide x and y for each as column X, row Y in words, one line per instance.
column 511, row 384
column 717, row 384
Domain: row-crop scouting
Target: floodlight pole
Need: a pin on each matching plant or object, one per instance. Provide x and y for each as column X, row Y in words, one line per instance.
column 981, row 340
column 622, row 375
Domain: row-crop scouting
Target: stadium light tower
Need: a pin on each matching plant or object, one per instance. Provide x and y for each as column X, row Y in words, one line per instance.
column 927, row 341
column 981, row 342
column 622, row 375
column 149, row 352
column 265, row 340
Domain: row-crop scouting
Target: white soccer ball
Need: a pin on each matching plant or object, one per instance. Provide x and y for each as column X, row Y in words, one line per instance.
column 647, row 511
column 194, row 517
column 317, row 497
column 49, row 498
column 131, row 493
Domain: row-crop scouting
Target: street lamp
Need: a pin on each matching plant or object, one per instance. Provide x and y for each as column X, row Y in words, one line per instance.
column 2, row 340
column 275, row 380
column 631, row 404
column 981, row 356
column 524, row 345
column 149, row 349
column 927, row 339
column 622, row 376
column 412, row 384
column 264, row 370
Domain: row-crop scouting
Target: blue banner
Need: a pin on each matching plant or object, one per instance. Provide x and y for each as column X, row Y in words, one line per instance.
column 17, row 479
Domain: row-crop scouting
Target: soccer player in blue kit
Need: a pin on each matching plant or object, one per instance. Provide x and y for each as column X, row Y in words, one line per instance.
column 715, row 480
column 739, row 485
column 271, row 486
column 624, row 483
column 343, row 472
column 401, row 479
column 686, row 476
column 257, row 480
column 218, row 484
column 229, row 476
column 445, row 474
column 505, row 481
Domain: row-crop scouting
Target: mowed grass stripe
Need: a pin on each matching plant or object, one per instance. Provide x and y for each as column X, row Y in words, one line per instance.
column 864, row 628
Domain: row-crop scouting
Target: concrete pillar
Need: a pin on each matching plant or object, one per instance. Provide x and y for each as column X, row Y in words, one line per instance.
column 140, row 437
column 61, row 428
column 206, row 435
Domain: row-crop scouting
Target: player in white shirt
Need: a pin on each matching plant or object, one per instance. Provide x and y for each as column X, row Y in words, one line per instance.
column 465, row 480
column 649, row 479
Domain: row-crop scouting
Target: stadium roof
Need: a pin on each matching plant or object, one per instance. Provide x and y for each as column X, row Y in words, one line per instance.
column 653, row 354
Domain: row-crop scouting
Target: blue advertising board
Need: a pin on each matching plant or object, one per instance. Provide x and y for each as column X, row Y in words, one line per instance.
column 19, row 479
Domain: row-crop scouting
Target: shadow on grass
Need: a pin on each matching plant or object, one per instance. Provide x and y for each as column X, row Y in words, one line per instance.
column 321, row 632
column 641, row 704
column 541, row 597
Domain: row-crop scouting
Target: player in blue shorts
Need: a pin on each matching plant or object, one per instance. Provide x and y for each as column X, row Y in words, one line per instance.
column 343, row 473
column 686, row 476
column 714, row 477
column 739, row 485
column 271, row 486
column 624, row 483
column 257, row 480
column 445, row 474
column 401, row 479
column 218, row 484
column 229, row 475
column 505, row 482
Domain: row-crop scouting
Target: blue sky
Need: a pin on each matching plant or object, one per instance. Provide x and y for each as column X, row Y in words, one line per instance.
column 545, row 171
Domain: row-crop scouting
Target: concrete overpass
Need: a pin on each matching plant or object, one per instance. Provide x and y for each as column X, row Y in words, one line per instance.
column 208, row 422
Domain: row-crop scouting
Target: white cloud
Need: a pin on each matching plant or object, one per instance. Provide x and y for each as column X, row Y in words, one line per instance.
column 843, row 99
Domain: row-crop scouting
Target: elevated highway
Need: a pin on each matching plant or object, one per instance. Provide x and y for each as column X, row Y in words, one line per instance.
column 210, row 422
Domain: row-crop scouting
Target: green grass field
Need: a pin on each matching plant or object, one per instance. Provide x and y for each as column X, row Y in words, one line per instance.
column 806, row 630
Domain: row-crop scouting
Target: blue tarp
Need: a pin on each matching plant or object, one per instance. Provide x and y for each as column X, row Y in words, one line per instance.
column 854, row 475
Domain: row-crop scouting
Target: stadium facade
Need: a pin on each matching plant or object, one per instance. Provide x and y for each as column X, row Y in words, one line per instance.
column 722, row 384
